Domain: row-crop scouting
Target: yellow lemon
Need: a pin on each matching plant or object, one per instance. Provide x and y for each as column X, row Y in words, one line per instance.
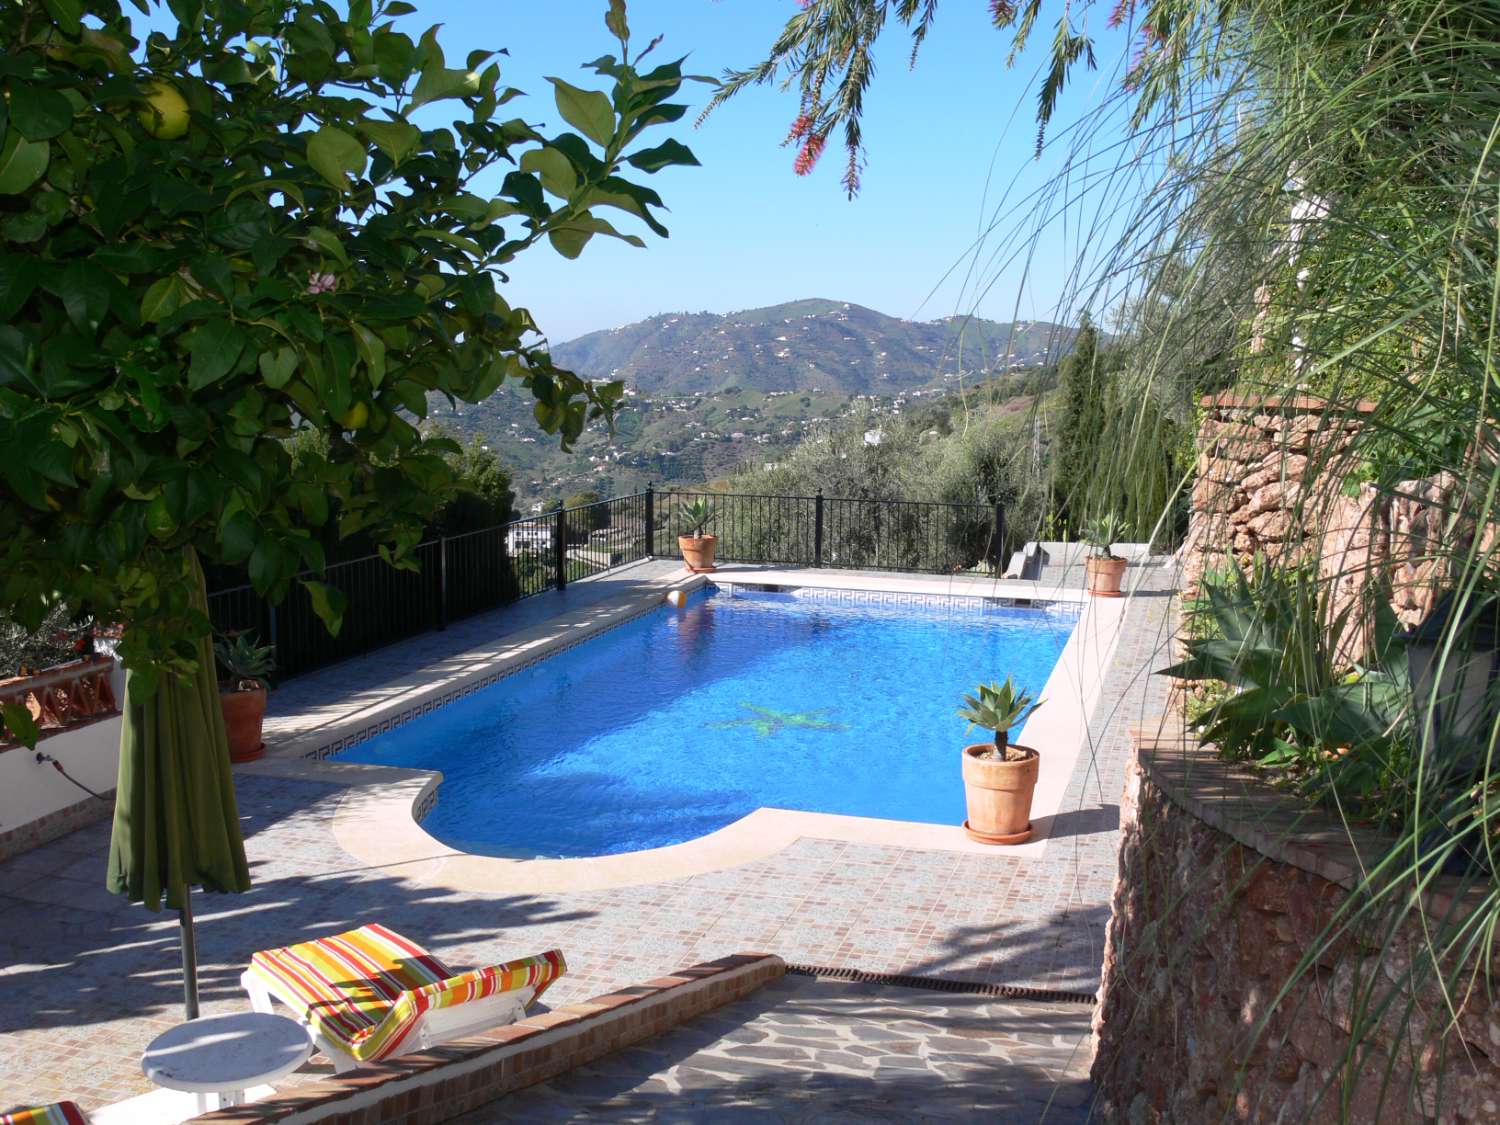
column 356, row 417
column 165, row 114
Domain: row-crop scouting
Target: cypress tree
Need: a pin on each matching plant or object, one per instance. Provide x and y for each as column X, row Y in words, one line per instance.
column 1080, row 423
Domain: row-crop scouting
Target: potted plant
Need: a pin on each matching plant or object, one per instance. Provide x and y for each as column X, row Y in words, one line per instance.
column 1103, row 568
column 999, row 777
column 243, row 668
column 696, row 545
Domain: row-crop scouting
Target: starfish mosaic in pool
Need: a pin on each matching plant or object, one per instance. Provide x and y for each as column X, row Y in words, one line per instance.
column 767, row 722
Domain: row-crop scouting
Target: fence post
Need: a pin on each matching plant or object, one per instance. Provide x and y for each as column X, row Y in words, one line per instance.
column 442, row 582
column 275, row 639
column 650, row 520
column 561, row 535
column 997, row 551
column 818, row 529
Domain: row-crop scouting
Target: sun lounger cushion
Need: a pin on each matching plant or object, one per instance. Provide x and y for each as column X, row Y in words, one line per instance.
column 62, row 1113
column 365, row 989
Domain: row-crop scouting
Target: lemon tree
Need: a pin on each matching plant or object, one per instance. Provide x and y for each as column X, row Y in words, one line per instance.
column 271, row 217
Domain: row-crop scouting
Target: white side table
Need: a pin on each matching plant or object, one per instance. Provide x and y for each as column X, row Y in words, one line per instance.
column 219, row 1057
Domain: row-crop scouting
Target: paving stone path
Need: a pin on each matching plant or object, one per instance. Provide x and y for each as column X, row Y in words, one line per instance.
column 809, row 1049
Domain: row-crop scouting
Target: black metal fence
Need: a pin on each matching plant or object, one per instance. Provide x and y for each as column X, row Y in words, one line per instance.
column 912, row 535
column 461, row 575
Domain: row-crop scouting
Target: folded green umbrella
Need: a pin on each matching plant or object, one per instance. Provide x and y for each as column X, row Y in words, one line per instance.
column 176, row 823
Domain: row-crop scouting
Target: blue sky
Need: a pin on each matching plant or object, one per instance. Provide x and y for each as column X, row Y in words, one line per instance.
column 746, row 231
column 950, row 155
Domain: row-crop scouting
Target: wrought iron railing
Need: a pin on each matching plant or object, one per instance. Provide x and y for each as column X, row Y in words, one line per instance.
column 852, row 534
column 461, row 575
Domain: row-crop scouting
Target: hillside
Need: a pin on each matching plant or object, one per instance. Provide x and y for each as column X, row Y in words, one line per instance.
column 807, row 346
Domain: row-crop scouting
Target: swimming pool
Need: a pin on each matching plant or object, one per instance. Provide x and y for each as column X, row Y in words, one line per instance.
column 684, row 720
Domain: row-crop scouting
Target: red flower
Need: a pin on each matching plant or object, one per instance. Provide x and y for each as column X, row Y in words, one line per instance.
column 1002, row 12
column 800, row 128
column 808, row 154
column 1123, row 9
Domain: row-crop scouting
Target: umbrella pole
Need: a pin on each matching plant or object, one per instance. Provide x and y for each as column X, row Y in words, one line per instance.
column 189, row 955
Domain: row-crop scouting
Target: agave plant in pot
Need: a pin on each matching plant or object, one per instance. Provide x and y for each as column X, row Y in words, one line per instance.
column 697, row 546
column 1103, row 568
column 999, row 776
column 243, row 668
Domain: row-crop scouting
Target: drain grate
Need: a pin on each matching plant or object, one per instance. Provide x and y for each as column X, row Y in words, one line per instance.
column 943, row 984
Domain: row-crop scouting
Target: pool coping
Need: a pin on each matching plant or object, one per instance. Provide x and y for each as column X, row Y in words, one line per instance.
column 378, row 819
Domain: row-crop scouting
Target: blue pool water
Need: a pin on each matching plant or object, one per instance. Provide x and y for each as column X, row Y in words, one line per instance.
column 684, row 720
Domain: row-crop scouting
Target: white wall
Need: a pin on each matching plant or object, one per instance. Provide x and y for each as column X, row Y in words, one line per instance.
column 29, row 789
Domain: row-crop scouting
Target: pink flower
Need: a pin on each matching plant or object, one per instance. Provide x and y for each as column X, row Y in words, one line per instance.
column 1002, row 12
column 1122, row 11
column 321, row 282
column 800, row 128
column 807, row 156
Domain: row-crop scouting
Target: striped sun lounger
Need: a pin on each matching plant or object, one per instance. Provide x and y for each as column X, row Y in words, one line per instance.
column 370, row 993
column 61, row 1113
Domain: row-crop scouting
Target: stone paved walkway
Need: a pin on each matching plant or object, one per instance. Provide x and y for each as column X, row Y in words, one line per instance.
column 815, row 1050
column 87, row 980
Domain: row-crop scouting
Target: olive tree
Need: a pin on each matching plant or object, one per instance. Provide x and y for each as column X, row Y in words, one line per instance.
column 215, row 237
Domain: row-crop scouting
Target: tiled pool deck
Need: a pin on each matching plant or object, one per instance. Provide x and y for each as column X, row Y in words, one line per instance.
column 87, row 980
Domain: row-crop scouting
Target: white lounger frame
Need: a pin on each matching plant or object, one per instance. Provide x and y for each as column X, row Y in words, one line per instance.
column 433, row 1027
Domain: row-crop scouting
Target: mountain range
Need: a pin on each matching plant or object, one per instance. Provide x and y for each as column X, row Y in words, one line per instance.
column 807, row 345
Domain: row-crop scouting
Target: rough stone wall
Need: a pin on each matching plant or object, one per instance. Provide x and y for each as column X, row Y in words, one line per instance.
column 1257, row 461
column 1271, row 482
column 1205, row 933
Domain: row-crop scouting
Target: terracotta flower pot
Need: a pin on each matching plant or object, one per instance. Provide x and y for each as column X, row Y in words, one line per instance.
column 1104, row 576
column 999, row 794
column 244, row 712
column 698, row 551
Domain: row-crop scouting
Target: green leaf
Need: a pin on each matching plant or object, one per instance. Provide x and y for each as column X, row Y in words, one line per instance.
column 371, row 349
column 334, row 154
column 588, row 111
column 22, row 163
column 38, row 112
column 215, row 348
column 19, row 722
column 438, row 82
column 14, row 361
column 556, row 172
column 328, row 603
column 397, row 139
column 266, row 565
column 85, row 295
column 328, row 242
column 237, row 537
column 614, row 19
column 18, row 275
column 163, row 299
column 67, row 14
column 23, row 229
column 277, row 367
column 569, row 241
column 662, row 156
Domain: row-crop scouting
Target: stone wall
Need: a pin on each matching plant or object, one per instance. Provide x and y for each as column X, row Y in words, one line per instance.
column 1224, row 887
column 1271, row 481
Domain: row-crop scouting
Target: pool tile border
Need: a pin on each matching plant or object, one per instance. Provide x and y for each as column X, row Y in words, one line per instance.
column 969, row 603
column 532, row 652
column 379, row 818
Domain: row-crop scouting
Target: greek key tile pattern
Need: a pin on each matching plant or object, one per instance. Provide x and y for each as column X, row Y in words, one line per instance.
column 945, row 603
